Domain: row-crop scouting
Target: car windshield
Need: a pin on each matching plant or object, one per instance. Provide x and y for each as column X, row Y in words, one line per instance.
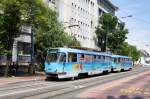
column 56, row 57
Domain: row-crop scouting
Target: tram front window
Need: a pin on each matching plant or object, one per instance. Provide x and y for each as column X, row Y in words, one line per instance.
column 56, row 57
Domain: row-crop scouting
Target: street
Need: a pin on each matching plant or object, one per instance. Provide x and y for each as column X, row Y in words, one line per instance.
column 111, row 85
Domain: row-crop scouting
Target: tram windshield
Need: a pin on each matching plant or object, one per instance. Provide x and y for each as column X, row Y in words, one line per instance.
column 56, row 57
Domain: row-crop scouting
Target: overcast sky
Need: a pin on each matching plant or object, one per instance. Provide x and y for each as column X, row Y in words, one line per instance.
column 139, row 24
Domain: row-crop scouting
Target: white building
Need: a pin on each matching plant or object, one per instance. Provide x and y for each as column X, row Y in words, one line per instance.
column 145, row 55
column 82, row 17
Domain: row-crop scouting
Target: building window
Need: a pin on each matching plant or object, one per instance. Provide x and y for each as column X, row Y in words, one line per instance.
column 72, row 57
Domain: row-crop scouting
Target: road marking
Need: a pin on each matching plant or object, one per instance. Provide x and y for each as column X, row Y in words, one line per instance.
column 79, row 87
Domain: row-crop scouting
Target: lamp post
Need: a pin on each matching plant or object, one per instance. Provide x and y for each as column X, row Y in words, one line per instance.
column 32, row 50
column 71, row 25
column 128, row 16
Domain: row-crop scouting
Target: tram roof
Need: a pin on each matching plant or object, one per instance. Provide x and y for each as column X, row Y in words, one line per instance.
column 71, row 50
column 120, row 56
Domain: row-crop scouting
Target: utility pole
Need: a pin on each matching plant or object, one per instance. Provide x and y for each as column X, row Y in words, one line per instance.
column 32, row 52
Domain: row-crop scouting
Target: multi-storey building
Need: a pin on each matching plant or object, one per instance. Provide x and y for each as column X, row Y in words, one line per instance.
column 80, row 17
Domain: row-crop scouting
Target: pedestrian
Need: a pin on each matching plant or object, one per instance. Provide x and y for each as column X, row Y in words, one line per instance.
column 29, row 67
column 13, row 69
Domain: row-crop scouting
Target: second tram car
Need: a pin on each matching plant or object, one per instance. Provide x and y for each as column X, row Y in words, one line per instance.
column 121, row 63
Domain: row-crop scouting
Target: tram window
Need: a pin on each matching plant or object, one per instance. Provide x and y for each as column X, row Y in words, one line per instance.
column 122, row 60
column 108, row 59
column 54, row 57
column 115, row 59
column 72, row 57
column 118, row 59
column 81, row 57
column 103, row 57
column 130, row 59
column 94, row 57
column 62, row 58
column 88, row 58
column 99, row 57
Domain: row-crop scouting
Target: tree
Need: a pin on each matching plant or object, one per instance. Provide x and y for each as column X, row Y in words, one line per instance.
column 110, row 32
column 35, row 13
column 116, row 39
column 129, row 50
column 10, row 22
column 53, row 36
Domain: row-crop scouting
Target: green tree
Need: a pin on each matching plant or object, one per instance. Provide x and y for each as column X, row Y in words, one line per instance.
column 10, row 22
column 110, row 32
column 48, row 31
column 129, row 50
column 51, row 34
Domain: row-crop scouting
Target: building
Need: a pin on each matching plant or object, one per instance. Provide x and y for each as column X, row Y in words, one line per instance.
column 22, row 47
column 145, row 55
column 80, row 17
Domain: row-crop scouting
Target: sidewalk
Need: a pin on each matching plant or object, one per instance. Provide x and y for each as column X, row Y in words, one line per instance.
column 4, row 80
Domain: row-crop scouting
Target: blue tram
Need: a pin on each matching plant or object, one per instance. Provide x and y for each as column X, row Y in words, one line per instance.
column 120, row 63
column 69, row 63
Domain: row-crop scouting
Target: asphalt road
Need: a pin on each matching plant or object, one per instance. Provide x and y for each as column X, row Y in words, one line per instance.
column 61, row 89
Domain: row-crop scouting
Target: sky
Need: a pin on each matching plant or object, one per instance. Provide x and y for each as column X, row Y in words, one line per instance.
column 139, row 24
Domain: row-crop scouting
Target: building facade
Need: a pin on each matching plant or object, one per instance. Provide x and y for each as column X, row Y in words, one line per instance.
column 80, row 17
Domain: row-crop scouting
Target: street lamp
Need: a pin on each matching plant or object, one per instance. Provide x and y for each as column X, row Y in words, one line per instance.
column 70, row 26
column 129, row 16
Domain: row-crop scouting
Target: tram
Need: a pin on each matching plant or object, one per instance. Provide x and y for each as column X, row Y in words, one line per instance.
column 121, row 63
column 68, row 63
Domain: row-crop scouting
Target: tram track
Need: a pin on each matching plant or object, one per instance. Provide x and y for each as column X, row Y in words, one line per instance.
column 77, row 86
column 51, row 89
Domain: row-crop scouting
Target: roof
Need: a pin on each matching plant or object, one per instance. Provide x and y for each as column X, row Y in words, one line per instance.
column 80, row 51
column 120, row 56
